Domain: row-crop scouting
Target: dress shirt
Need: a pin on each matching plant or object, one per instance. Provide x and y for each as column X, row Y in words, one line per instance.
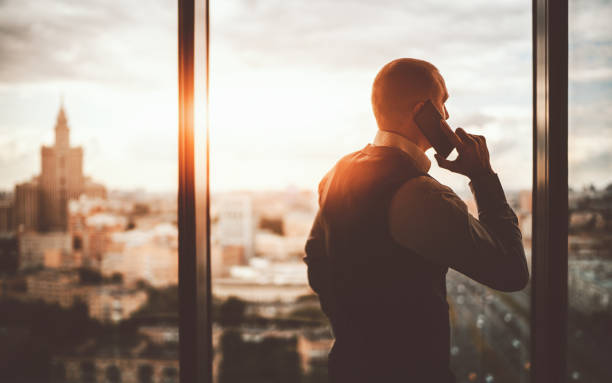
column 431, row 220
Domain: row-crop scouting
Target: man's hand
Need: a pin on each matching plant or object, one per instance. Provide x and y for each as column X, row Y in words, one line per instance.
column 473, row 159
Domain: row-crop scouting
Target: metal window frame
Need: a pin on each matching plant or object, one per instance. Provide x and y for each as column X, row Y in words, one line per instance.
column 550, row 208
column 195, row 322
column 550, row 188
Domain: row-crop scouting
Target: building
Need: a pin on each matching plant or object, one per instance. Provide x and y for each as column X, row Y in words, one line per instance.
column 106, row 303
column 92, row 232
column 90, row 226
column 98, row 235
column 148, row 255
column 42, row 203
column 56, row 287
column 297, row 223
column 114, row 303
column 98, row 363
column 26, row 212
column 6, row 214
column 61, row 177
column 271, row 245
column 231, row 256
column 236, row 223
column 296, row 227
column 33, row 246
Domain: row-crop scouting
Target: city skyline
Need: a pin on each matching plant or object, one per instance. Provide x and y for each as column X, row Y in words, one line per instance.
column 91, row 238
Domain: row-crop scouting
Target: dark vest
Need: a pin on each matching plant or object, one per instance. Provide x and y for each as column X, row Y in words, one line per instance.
column 387, row 305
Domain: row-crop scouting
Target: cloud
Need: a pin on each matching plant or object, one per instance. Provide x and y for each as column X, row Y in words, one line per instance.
column 84, row 41
column 476, row 120
column 330, row 51
column 591, row 168
column 355, row 35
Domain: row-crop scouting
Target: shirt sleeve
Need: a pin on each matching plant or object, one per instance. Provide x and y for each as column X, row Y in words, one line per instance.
column 318, row 263
column 434, row 222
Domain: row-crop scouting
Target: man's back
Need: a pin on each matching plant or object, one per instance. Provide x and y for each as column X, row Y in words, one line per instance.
column 387, row 305
column 386, row 233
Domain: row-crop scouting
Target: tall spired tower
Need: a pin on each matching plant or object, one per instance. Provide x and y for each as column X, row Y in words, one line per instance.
column 61, row 177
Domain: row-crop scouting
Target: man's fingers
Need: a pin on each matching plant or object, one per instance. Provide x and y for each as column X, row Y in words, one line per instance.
column 477, row 138
column 444, row 163
column 462, row 134
column 462, row 138
column 466, row 138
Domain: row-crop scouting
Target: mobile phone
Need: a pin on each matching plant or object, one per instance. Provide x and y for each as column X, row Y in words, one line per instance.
column 428, row 120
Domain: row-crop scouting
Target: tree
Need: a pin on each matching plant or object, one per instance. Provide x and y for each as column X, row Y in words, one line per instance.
column 89, row 276
column 9, row 255
column 272, row 360
column 34, row 332
column 117, row 278
column 160, row 302
column 232, row 312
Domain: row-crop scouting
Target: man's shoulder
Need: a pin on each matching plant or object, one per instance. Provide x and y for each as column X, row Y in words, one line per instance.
column 421, row 194
column 425, row 185
column 330, row 172
column 422, row 206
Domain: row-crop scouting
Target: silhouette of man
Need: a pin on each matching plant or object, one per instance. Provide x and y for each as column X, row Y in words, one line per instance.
column 386, row 233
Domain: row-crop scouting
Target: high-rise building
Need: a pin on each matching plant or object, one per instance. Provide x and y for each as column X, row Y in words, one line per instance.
column 61, row 177
column 6, row 213
column 42, row 203
column 236, row 222
column 26, row 212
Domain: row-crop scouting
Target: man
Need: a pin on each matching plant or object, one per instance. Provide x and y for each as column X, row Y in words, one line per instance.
column 387, row 232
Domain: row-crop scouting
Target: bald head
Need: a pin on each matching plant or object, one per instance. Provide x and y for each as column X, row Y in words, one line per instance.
column 400, row 86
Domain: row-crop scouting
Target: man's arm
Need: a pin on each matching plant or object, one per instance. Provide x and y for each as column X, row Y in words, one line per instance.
column 316, row 257
column 433, row 221
column 318, row 263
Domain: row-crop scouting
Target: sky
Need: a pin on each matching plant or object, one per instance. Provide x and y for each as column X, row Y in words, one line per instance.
column 290, row 85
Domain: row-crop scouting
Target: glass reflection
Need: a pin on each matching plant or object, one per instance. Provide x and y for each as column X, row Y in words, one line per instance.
column 88, row 265
column 590, row 192
column 290, row 94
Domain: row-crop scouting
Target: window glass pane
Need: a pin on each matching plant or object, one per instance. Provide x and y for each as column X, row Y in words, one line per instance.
column 88, row 133
column 290, row 94
column 590, row 192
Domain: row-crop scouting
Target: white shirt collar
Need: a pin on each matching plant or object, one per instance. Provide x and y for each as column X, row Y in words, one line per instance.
column 394, row 140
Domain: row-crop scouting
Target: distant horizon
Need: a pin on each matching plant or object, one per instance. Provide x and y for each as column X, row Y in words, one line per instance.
column 139, row 188
column 299, row 189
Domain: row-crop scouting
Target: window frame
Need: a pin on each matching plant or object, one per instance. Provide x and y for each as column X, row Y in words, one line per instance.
column 550, row 187
column 195, row 322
